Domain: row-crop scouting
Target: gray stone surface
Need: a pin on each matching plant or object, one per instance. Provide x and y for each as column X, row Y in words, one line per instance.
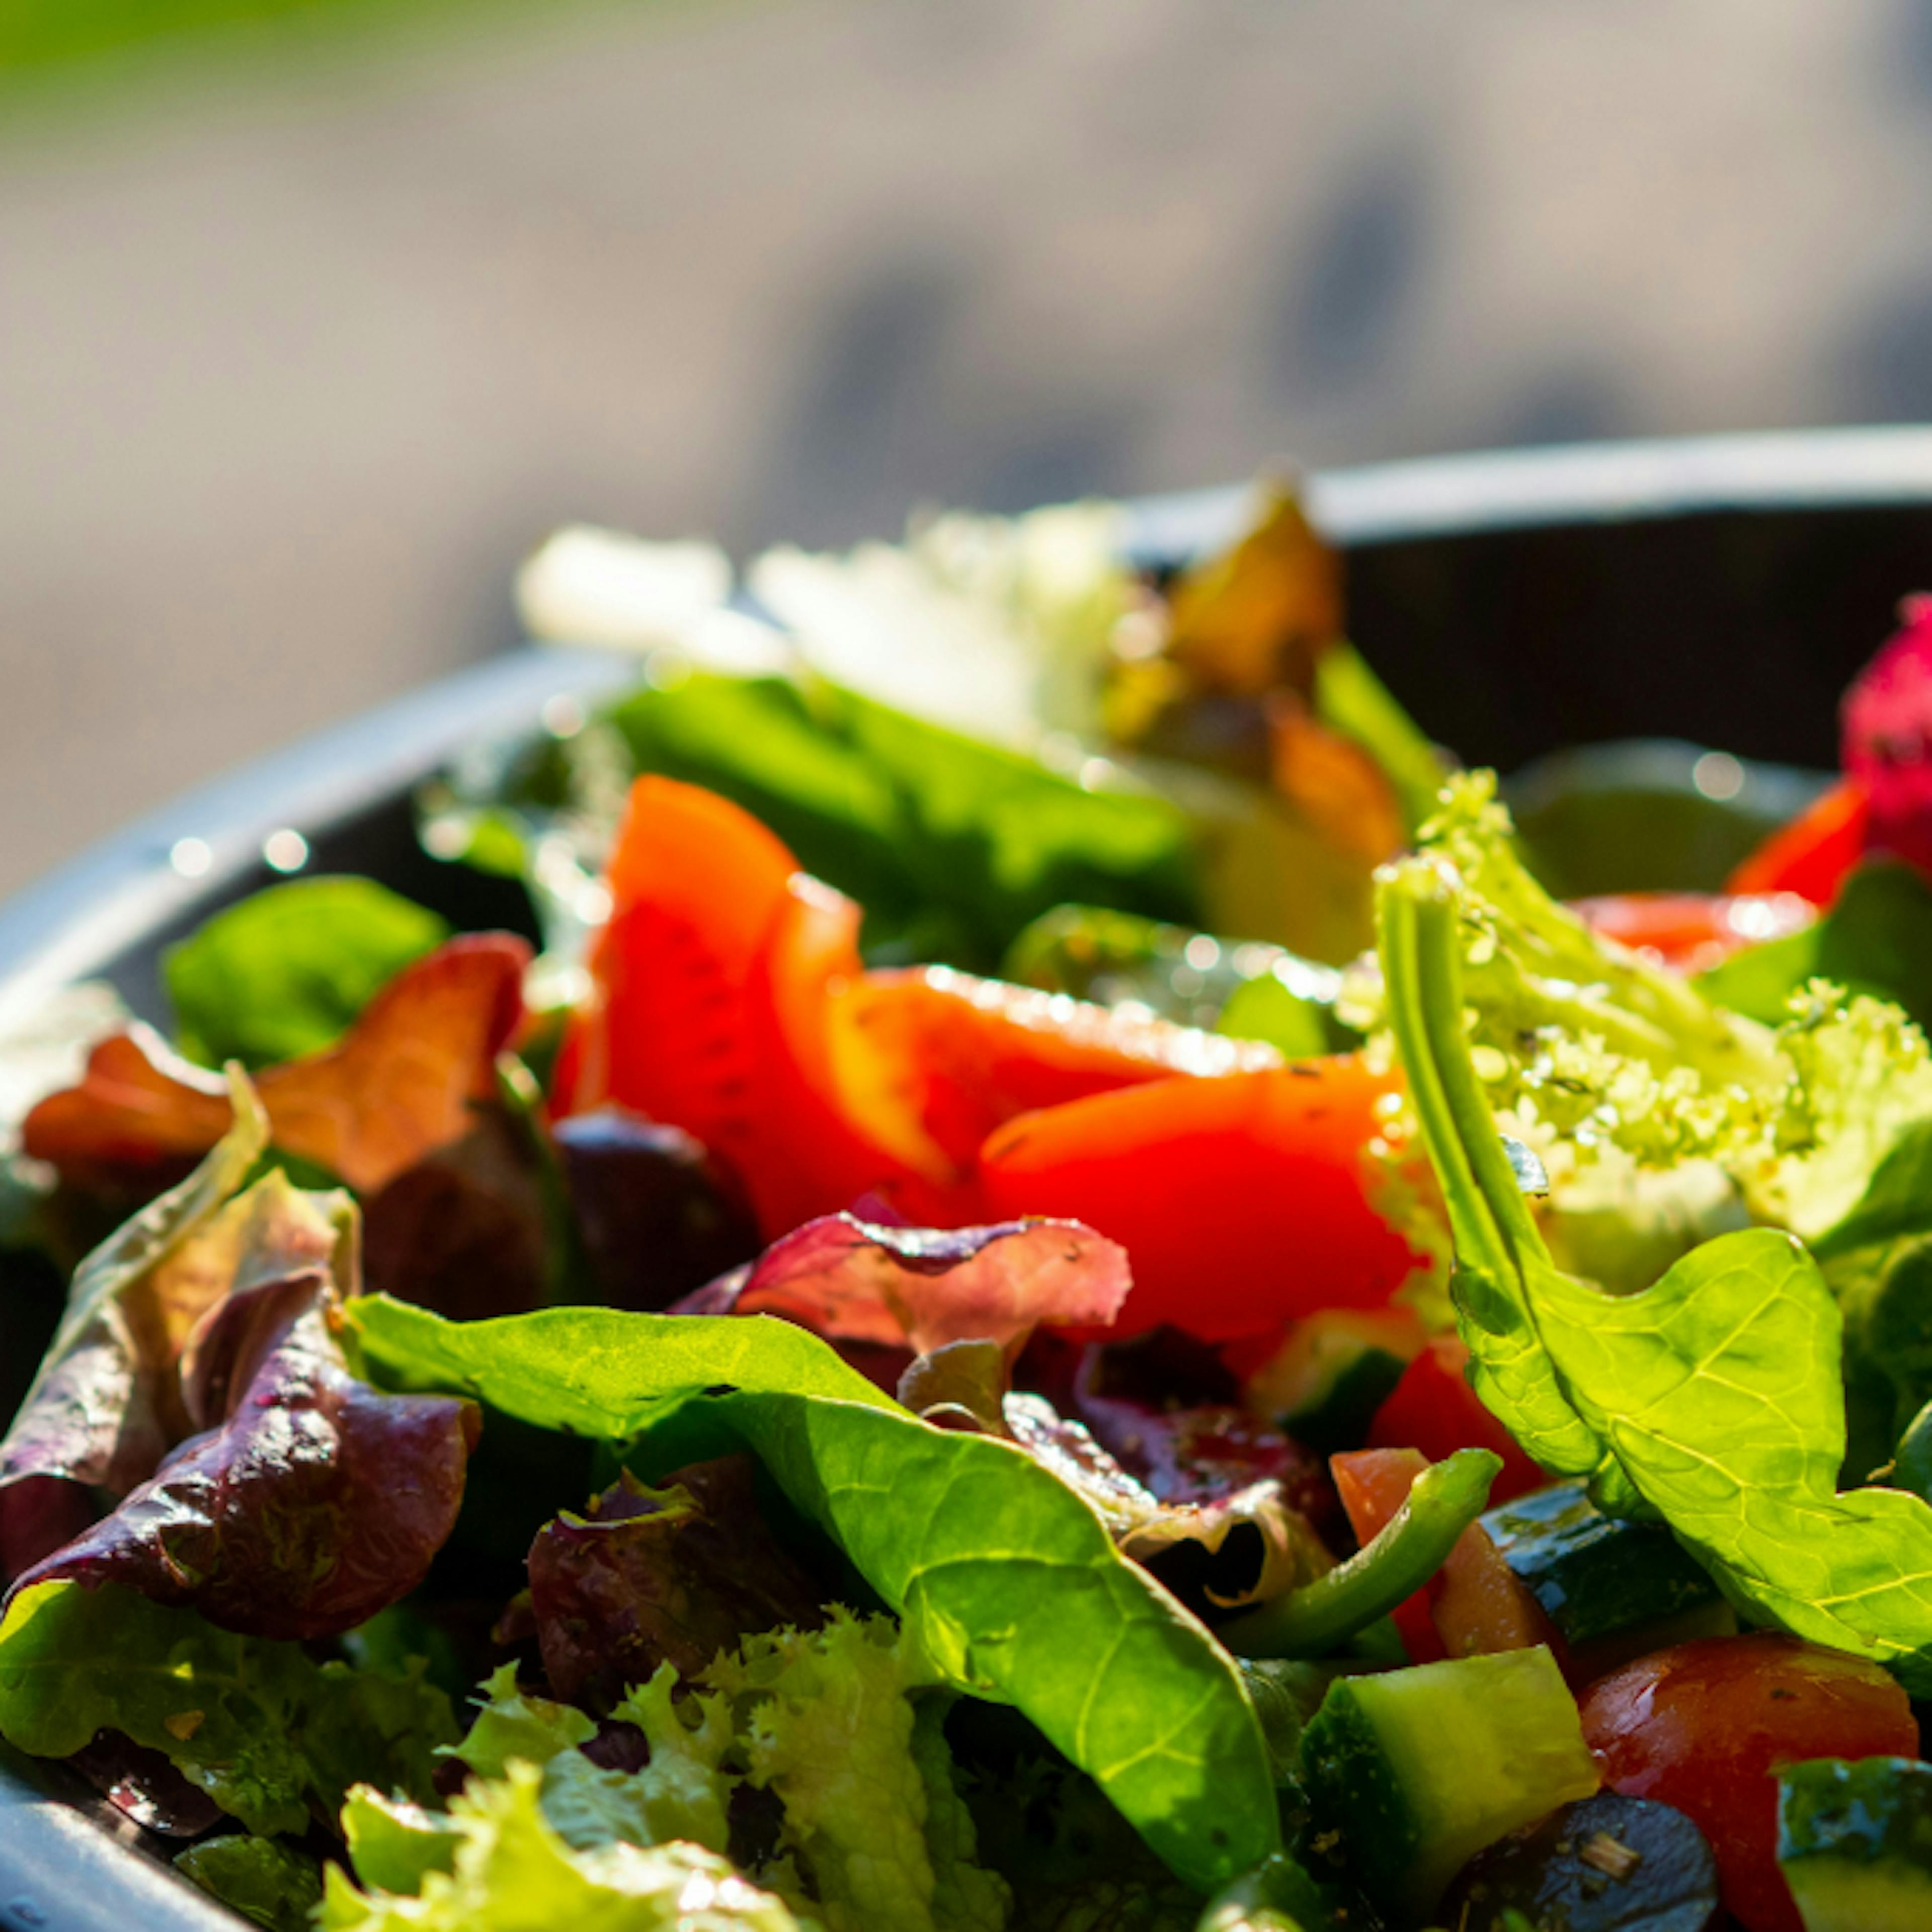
column 298, row 355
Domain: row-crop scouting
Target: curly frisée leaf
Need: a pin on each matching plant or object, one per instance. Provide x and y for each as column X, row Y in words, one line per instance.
column 1005, row 1576
column 511, row 1870
column 1714, row 1397
column 864, row 1776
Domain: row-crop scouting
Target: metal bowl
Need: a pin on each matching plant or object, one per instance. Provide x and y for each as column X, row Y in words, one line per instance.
column 1722, row 590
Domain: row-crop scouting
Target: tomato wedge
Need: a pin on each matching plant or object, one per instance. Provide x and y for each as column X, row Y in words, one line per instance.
column 1244, row 1201
column 960, row 1055
column 695, row 885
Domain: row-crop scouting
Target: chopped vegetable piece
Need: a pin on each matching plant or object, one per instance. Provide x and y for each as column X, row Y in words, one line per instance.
column 1705, row 1727
column 1812, row 855
column 1855, row 1843
column 1597, row 1576
column 1421, row 1769
column 1410, row 1548
column 1606, row 1864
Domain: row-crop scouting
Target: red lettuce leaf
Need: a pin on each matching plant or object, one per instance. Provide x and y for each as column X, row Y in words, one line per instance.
column 465, row 1231
column 400, row 1084
column 673, row 1575
column 316, row 1502
column 854, row 1281
column 102, row 1406
column 1149, row 1403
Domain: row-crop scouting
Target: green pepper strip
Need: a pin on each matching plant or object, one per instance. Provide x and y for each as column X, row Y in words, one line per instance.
column 1444, row 1501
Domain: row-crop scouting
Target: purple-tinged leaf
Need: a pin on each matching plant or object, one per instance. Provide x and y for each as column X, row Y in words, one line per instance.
column 315, row 1503
column 98, row 1414
column 852, row 1281
column 463, row 1231
column 673, row 1575
column 1151, row 1406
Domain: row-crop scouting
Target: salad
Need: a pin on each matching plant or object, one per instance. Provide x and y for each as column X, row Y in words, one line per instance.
column 1075, row 1287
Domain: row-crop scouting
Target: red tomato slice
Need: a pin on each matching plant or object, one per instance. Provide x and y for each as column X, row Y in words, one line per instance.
column 1473, row 1606
column 1811, row 855
column 729, row 999
column 829, row 1131
column 1695, row 930
column 695, row 884
column 1243, row 1202
column 960, row 1055
column 1706, row 1725
column 1434, row 1409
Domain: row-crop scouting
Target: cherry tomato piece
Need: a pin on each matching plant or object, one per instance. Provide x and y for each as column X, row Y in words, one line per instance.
column 1244, row 1201
column 1706, row 1725
column 1434, row 1409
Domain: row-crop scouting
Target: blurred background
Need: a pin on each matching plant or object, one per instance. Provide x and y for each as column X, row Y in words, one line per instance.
column 314, row 320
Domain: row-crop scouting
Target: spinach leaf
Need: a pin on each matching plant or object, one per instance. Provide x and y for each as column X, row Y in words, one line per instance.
column 1008, row 1579
column 950, row 844
column 287, row 972
column 1713, row 1398
column 1877, row 939
column 263, row 1729
column 597, row 1372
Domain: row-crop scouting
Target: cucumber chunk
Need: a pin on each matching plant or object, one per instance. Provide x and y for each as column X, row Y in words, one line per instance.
column 1335, row 1369
column 1421, row 1769
column 1595, row 1576
column 1855, row 1843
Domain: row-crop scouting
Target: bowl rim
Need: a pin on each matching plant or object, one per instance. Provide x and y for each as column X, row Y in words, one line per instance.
column 71, row 922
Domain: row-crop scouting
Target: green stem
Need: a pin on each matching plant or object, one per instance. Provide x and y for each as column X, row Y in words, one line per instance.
column 1422, row 970
column 1388, row 1569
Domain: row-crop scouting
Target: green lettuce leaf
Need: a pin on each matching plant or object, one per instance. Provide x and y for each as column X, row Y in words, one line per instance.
column 510, row 1871
column 395, row 1844
column 682, row 1792
column 865, row 1778
column 264, row 1879
column 1713, row 1398
column 511, row 1725
column 271, row 1735
column 287, row 971
column 1007, row 1577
